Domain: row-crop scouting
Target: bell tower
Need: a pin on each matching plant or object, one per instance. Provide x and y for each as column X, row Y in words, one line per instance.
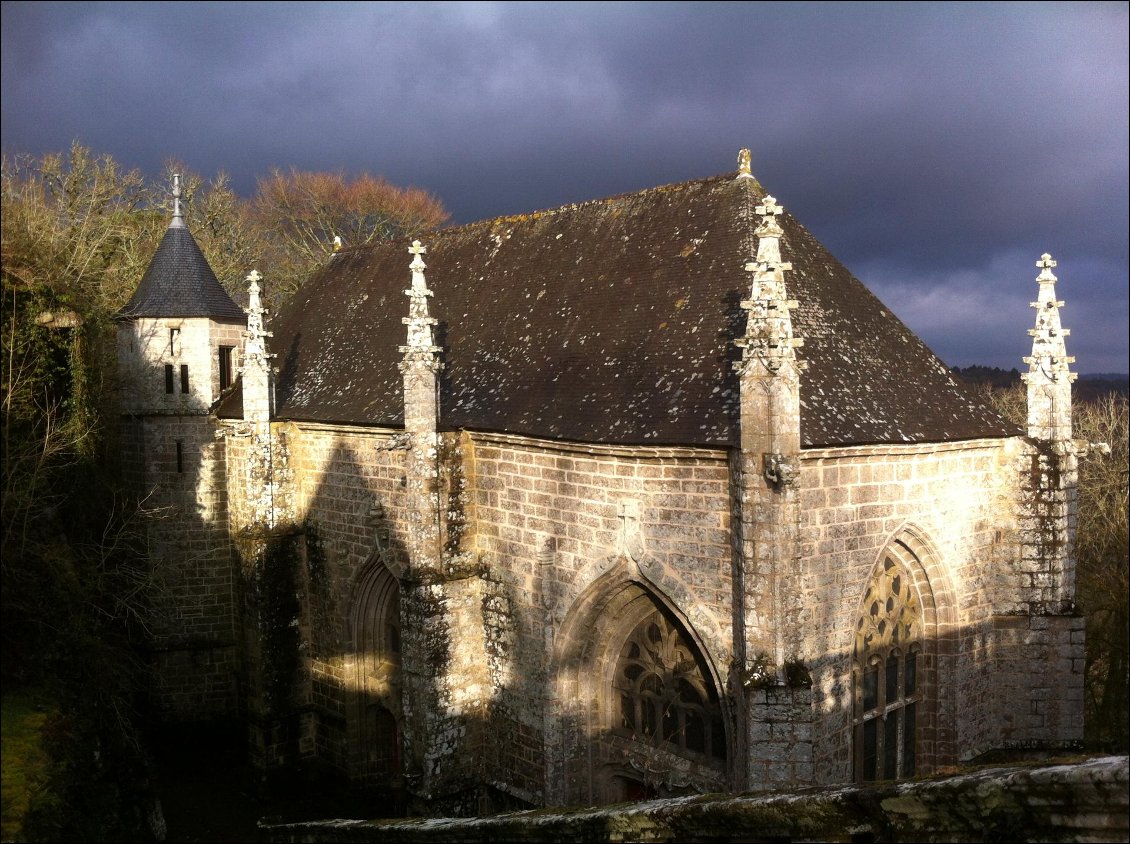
column 179, row 338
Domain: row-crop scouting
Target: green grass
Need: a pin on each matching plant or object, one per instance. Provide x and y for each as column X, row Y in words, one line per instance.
column 22, row 760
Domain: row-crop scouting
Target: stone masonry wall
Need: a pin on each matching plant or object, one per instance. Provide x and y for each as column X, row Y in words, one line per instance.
column 179, row 472
column 543, row 522
column 959, row 500
column 1038, row 672
column 146, row 346
column 348, row 489
column 1076, row 802
column 347, row 485
column 194, row 642
column 1047, row 505
column 535, row 525
column 551, row 520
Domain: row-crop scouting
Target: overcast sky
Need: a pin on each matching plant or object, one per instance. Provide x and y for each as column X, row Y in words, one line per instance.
column 937, row 150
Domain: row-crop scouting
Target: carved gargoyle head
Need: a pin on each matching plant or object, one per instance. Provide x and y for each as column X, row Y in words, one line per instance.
column 780, row 471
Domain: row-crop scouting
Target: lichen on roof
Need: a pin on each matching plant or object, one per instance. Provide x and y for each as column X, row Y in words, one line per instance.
column 613, row 321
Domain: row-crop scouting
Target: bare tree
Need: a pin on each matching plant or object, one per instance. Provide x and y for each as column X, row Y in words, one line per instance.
column 1102, row 548
column 299, row 215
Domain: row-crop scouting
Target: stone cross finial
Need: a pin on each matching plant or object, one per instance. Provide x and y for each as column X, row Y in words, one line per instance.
column 1049, row 374
column 1045, row 265
column 178, row 220
column 744, row 169
column 420, row 349
column 769, row 207
column 256, row 328
column 769, row 331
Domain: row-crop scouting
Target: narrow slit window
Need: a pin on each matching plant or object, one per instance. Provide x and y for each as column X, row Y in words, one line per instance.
column 168, row 377
column 174, row 333
column 180, row 456
column 184, row 377
column 226, row 372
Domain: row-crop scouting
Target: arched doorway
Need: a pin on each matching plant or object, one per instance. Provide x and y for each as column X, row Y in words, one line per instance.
column 377, row 709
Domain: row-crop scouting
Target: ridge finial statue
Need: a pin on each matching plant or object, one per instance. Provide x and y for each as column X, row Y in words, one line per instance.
column 178, row 215
column 744, row 167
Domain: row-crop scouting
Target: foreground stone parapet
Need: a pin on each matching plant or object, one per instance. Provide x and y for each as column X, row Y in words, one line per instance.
column 1084, row 801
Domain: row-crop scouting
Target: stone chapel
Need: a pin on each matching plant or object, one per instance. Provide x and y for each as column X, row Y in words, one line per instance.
column 635, row 497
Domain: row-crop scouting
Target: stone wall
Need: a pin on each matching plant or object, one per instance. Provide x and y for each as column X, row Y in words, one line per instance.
column 178, row 470
column 195, row 644
column 146, row 346
column 956, row 504
column 558, row 523
column 1038, row 672
column 342, row 490
column 530, row 526
column 1079, row 802
column 502, row 673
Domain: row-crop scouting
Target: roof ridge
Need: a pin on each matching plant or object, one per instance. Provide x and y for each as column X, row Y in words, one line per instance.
column 750, row 188
column 748, row 214
column 574, row 206
column 720, row 178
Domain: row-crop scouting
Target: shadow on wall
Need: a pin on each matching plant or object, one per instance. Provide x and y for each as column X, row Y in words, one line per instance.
column 417, row 687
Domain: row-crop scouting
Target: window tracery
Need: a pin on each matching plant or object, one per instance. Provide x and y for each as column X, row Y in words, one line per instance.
column 888, row 694
column 662, row 696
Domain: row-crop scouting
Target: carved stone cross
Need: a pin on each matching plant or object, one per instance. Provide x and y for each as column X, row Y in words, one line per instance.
column 1045, row 262
column 417, row 248
column 769, row 207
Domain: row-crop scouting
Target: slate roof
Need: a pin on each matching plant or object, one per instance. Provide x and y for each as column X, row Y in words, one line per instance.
column 612, row 321
column 180, row 283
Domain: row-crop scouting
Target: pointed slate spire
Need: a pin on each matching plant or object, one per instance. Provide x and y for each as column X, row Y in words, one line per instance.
column 179, row 281
column 1049, row 374
column 769, row 339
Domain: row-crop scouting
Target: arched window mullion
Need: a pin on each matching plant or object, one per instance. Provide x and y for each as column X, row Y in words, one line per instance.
column 657, row 666
column 888, row 640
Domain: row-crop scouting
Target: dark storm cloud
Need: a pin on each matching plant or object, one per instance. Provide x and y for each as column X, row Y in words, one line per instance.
column 936, row 149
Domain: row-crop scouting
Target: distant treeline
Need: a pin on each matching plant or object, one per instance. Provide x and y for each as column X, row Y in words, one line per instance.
column 1088, row 388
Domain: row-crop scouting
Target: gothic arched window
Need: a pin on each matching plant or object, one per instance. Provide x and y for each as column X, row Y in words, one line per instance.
column 886, row 671
column 662, row 696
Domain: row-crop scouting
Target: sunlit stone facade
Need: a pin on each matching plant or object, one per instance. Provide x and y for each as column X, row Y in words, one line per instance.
column 471, row 617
